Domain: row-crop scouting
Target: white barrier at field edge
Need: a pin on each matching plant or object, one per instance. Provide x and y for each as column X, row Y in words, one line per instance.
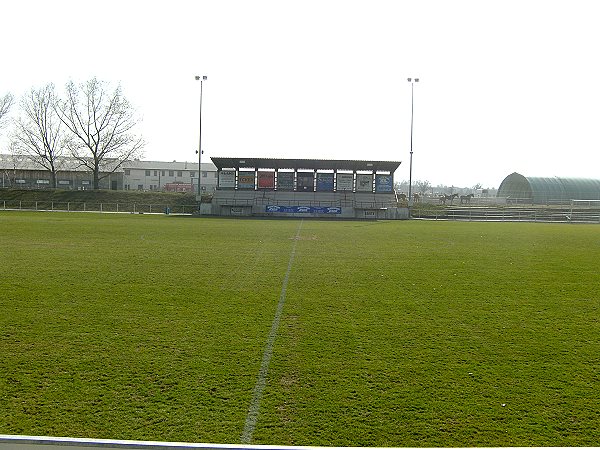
column 18, row 442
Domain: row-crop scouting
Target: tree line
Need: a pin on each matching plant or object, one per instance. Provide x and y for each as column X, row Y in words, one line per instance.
column 424, row 188
column 91, row 122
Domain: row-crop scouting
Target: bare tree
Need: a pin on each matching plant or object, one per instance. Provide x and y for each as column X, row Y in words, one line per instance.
column 9, row 174
column 401, row 186
column 38, row 132
column 5, row 104
column 101, row 125
column 422, row 186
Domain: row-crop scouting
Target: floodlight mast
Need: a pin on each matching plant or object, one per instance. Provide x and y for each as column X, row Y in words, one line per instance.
column 199, row 151
column 412, row 82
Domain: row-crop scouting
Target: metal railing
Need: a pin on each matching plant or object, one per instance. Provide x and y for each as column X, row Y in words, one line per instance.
column 324, row 203
column 134, row 208
column 489, row 214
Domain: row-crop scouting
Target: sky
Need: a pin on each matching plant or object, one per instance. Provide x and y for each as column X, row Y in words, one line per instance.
column 505, row 86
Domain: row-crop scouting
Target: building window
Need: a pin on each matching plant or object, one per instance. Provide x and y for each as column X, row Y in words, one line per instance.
column 179, row 173
column 147, row 173
column 140, row 187
column 204, row 174
column 156, row 173
column 192, row 174
column 162, row 173
column 126, row 187
column 171, row 173
column 127, row 172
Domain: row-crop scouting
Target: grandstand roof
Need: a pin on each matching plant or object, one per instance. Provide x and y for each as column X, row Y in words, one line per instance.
column 310, row 164
column 545, row 189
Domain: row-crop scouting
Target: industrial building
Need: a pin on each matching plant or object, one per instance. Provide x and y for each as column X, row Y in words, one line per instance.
column 518, row 188
column 21, row 172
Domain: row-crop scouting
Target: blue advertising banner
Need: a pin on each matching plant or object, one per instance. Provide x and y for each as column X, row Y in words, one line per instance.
column 304, row 209
column 325, row 182
column 384, row 183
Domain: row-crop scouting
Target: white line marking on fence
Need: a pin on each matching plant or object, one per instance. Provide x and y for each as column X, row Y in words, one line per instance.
column 261, row 380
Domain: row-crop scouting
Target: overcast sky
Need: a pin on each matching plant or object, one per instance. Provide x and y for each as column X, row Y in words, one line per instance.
column 505, row 85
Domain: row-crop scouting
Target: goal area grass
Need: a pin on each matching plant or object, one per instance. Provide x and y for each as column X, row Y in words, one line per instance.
column 392, row 333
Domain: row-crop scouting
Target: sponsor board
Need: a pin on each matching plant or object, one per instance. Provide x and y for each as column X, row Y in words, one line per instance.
column 325, row 182
column 306, row 181
column 246, row 180
column 227, row 179
column 384, row 183
column 345, row 181
column 285, row 181
column 304, row 209
column 266, row 180
column 364, row 182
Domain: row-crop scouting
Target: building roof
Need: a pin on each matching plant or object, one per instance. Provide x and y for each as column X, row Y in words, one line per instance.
column 24, row 162
column 70, row 164
column 543, row 189
column 168, row 165
column 310, row 164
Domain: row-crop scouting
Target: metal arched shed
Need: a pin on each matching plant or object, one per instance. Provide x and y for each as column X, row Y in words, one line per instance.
column 544, row 190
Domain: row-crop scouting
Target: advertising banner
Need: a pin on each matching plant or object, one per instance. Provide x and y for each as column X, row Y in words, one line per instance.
column 285, row 181
column 384, row 183
column 246, row 180
column 364, row 182
column 304, row 209
column 325, row 182
column 227, row 179
column 345, row 182
column 306, row 181
column 266, row 180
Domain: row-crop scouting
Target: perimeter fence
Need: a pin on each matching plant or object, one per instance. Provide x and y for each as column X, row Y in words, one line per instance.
column 125, row 207
column 511, row 214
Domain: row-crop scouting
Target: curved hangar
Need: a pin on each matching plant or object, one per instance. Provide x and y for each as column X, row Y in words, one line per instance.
column 543, row 190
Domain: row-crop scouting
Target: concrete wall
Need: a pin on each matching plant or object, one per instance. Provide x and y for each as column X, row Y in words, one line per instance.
column 352, row 205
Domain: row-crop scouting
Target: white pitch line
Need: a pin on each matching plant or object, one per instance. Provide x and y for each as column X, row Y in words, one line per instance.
column 261, row 380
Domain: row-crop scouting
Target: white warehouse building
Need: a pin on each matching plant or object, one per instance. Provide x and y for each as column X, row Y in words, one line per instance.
column 168, row 176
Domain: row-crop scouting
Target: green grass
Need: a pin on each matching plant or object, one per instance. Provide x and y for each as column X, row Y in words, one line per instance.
column 399, row 333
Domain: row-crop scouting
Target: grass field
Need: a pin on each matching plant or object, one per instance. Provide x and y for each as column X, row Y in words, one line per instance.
column 393, row 333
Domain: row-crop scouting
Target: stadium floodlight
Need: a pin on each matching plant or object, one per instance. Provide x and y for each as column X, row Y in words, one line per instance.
column 412, row 114
column 199, row 151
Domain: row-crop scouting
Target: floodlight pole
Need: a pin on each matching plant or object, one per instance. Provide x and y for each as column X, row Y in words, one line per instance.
column 412, row 82
column 199, row 151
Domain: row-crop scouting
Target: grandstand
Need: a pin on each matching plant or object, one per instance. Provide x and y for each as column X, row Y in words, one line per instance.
column 272, row 187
